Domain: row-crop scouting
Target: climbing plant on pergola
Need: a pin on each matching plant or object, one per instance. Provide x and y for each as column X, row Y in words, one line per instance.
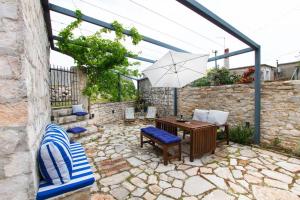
column 200, row 10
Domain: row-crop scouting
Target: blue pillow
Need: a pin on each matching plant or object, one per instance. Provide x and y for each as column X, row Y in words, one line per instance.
column 55, row 161
column 80, row 113
column 76, row 130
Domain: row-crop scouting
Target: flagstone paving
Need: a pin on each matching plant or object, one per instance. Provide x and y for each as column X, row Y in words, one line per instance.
column 124, row 170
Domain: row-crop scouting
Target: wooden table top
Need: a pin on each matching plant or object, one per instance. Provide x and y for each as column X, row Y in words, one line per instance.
column 191, row 124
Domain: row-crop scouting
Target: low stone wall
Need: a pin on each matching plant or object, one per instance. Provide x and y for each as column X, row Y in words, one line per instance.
column 109, row 112
column 162, row 98
column 280, row 114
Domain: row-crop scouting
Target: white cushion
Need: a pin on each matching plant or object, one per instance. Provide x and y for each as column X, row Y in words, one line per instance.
column 217, row 117
column 151, row 113
column 129, row 113
column 77, row 108
column 200, row 115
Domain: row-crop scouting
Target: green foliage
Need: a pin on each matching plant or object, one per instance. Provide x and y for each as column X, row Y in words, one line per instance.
column 201, row 82
column 101, row 59
column 136, row 37
column 217, row 76
column 276, row 142
column 221, row 76
column 241, row 134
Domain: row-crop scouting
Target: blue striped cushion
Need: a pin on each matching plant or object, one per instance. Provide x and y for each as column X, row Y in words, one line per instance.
column 82, row 176
column 57, row 133
column 55, row 160
column 59, row 129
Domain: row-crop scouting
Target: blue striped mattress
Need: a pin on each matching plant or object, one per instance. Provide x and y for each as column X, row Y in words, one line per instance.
column 82, row 176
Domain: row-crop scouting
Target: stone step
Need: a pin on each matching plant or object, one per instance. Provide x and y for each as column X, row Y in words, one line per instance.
column 61, row 112
column 65, row 119
column 84, row 123
column 70, row 119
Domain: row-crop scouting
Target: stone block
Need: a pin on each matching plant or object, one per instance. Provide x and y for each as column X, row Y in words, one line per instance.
column 12, row 140
column 15, row 187
column 12, row 91
column 17, row 164
column 13, row 114
column 9, row 9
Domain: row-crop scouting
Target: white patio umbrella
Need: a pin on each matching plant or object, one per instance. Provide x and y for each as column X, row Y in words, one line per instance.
column 176, row 69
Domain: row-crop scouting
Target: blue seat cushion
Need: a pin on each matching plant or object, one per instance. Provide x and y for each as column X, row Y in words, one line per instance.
column 80, row 113
column 82, row 176
column 76, row 130
column 161, row 135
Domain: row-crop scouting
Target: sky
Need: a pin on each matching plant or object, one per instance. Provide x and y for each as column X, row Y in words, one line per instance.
column 274, row 24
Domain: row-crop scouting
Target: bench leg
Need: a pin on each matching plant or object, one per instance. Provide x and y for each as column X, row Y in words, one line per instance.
column 179, row 151
column 142, row 142
column 165, row 154
column 227, row 133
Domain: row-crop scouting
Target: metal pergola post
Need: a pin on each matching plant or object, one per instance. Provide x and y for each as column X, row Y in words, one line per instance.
column 119, row 88
column 257, row 98
column 210, row 16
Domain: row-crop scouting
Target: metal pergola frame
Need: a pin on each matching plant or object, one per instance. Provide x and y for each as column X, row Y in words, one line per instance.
column 200, row 10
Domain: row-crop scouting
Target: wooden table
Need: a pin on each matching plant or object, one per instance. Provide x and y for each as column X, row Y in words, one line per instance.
column 203, row 135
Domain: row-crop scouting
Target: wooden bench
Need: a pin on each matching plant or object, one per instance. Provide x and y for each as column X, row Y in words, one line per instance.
column 164, row 139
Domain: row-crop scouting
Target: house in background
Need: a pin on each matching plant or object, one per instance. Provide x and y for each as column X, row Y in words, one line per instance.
column 267, row 71
column 288, row 71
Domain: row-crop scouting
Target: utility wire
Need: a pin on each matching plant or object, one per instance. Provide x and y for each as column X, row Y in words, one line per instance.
column 175, row 22
column 63, row 23
column 144, row 25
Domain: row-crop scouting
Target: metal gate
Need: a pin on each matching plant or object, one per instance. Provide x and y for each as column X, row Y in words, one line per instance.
column 63, row 86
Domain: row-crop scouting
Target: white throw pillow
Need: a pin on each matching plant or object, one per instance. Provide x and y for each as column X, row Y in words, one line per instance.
column 200, row 115
column 129, row 113
column 77, row 108
column 217, row 117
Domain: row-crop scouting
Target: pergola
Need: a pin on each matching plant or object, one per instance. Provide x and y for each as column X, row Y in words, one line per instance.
column 200, row 10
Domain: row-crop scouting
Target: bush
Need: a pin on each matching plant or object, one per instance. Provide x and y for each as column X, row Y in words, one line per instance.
column 241, row 134
column 201, row 82
column 217, row 76
column 222, row 76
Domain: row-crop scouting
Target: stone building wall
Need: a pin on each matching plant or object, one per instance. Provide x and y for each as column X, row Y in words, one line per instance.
column 162, row 98
column 24, row 95
column 105, row 113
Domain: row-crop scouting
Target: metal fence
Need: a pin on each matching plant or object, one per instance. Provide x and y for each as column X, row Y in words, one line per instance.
column 63, row 86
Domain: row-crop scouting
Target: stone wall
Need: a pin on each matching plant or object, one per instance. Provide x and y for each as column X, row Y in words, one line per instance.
column 24, row 95
column 280, row 106
column 162, row 98
column 237, row 99
column 280, row 114
column 109, row 112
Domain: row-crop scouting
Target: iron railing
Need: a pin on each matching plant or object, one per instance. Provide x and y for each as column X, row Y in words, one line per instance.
column 63, row 86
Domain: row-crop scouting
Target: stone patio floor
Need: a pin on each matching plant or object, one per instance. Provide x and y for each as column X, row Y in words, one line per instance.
column 124, row 170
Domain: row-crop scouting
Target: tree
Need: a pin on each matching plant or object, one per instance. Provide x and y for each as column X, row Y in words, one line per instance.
column 101, row 59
